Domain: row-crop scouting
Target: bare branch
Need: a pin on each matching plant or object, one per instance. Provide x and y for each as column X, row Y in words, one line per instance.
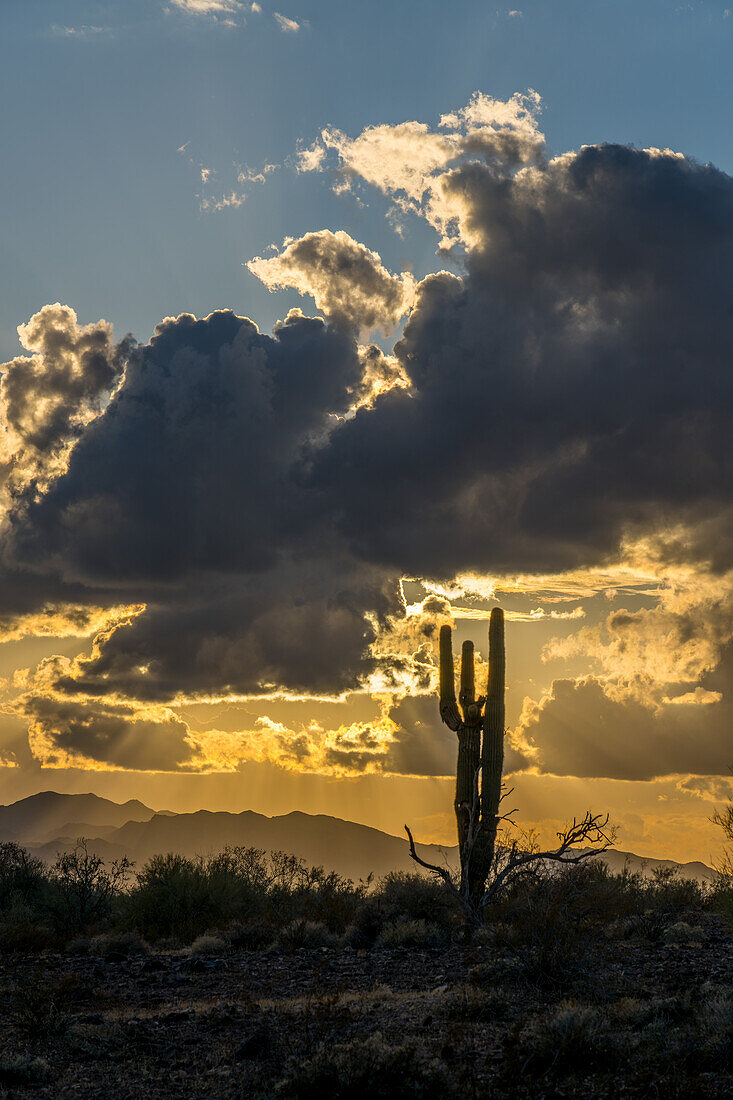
column 444, row 874
column 592, row 828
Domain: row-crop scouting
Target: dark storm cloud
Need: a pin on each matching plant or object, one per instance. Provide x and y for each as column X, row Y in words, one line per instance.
column 189, row 467
column 574, row 384
column 187, row 493
column 288, row 628
column 63, row 730
column 580, row 730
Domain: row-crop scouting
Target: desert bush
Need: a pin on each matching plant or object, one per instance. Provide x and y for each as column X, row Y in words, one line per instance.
column 82, row 889
column 471, row 1004
column 171, row 897
column 364, row 1069
column 298, row 891
column 41, row 1009
column 568, row 1038
column 24, row 927
column 665, row 891
column 24, row 919
column 551, row 926
column 402, row 896
column 250, row 935
column 23, row 1070
column 499, row 970
column 714, row 1032
column 117, row 943
column 209, row 944
column 720, row 897
column 22, row 876
column 682, row 932
column 305, row 933
column 410, row 934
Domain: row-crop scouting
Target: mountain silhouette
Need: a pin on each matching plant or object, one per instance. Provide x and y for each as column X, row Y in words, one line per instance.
column 46, row 815
column 49, row 823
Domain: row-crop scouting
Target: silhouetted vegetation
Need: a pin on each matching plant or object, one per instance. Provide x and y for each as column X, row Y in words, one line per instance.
column 249, row 899
column 248, row 974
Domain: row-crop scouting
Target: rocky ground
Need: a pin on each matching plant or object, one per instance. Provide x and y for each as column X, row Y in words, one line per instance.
column 634, row 1016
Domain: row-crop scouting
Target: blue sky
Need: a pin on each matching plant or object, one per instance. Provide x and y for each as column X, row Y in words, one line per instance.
column 102, row 211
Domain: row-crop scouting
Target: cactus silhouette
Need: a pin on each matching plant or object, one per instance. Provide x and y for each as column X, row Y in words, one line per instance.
column 480, row 750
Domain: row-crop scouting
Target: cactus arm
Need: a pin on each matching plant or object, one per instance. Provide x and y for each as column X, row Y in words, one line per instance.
column 449, row 712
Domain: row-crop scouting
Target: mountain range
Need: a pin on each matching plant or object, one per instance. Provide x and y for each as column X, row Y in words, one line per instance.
column 49, row 823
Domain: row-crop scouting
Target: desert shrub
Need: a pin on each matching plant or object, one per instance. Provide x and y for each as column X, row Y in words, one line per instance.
column 305, row 933
column 720, row 897
column 24, row 1069
column 682, row 932
column 499, row 970
column 402, row 896
column 25, row 928
column 24, row 919
column 239, row 879
column 469, row 1003
column 208, row 944
column 41, row 1008
column 566, row 1039
column 116, row 943
column 411, row 933
column 82, row 889
column 184, row 897
column 249, row 935
column 666, row 892
column 550, row 926
column 298, row 891
column 22, row 876
column 714, row 1032
column 367, row 1068
column 171, row 897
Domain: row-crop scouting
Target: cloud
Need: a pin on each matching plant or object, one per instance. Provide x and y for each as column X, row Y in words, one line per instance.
column 83, row 31
column 65, row 621
column 288, row 26
column 348, row 281
column 66, row 733
column 710, row 787
column 189, row 492
column 232, row 200
column 208, row 7
column 562, row 447
column 411, row 163
column 557, row 409
column 49, row 397
column 580, row 729
column 310, row 158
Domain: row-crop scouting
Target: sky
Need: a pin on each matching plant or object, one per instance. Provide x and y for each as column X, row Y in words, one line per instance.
column 325, row 324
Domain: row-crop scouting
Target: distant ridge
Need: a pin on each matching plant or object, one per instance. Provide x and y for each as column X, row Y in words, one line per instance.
column 49, row 823
column 40, row 817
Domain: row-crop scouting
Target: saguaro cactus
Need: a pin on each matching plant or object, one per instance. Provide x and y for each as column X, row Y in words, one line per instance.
column 480, row 751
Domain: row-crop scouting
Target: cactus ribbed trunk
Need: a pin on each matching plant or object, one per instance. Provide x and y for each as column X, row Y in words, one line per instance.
column 492, row 756
column 476, row 751
column 469, row 750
